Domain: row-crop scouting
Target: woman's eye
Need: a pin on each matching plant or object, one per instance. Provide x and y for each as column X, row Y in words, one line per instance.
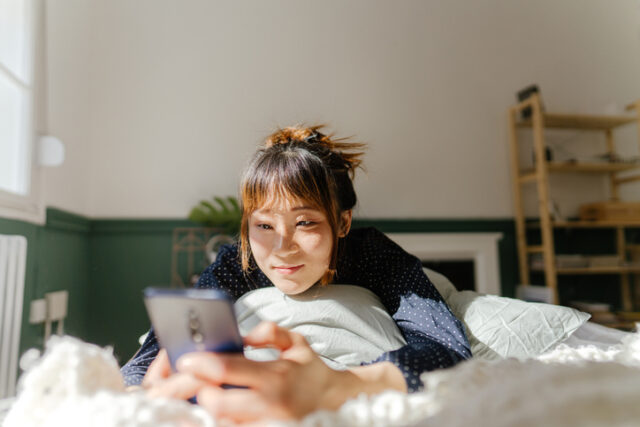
column 305, row 223
column 264, row 226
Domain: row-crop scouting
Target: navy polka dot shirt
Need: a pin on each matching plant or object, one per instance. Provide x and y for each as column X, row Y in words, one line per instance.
column 368, row 258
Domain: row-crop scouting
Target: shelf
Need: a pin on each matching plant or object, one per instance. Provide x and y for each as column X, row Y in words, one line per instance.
column 587, row 224
column 530, row 174
column 624, row 326
column 620, row 171
column 595, row 270
column 581, row 121
column 591, row 167
column 626, row 320
column 595, row 224
column 629, row 316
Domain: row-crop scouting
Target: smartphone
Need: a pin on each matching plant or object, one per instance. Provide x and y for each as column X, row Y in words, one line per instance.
column 188, row 320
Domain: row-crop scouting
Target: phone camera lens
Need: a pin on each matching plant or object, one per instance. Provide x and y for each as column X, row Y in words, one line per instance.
column 194, row 327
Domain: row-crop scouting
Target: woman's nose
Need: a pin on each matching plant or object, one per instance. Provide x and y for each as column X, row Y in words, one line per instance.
column 285, row 242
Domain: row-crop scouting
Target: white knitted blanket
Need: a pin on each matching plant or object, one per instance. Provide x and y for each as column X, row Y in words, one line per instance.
column 79, row 384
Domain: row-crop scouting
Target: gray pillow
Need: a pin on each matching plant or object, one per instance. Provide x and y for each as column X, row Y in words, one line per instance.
column 500, row 327
column 345, row 325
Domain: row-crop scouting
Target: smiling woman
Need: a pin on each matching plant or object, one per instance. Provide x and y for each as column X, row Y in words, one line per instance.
column 291, row 221
column 315, row 173
column 291, row 245
column 297, row 200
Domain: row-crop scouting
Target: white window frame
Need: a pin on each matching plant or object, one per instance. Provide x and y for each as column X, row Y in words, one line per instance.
column 30, row 207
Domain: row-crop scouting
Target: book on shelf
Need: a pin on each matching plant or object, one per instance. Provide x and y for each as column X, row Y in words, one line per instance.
column 589, row 306
column 579, row 261
column 604, row 261
column 562, row 261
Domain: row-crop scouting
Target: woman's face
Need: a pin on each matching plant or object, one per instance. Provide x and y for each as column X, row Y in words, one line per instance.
column 291, row 244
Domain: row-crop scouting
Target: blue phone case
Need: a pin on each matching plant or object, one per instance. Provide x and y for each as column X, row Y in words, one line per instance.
column 188, row 320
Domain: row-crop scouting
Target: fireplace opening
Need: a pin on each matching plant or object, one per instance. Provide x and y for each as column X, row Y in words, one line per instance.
column 460, row 272
column 479, row 251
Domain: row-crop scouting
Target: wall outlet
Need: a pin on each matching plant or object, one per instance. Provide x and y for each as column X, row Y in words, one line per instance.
column 38, row 311
column 56, row 305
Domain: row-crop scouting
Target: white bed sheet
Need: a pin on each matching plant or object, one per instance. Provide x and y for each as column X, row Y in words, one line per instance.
column 596, row 335
column 588, row 334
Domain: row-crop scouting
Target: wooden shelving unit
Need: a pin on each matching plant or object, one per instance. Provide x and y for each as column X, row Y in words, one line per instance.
column 576, row 121
column 539, row 176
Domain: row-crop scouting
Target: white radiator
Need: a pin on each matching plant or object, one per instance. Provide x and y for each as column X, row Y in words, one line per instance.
column 13, row 257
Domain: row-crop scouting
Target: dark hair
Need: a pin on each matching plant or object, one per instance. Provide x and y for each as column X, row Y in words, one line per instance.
column 300, row 163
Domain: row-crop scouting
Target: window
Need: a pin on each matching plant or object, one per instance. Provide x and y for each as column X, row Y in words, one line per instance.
column 16, row 95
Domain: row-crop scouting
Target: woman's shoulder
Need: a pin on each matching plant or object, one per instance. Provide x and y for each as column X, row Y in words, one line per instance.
column 371, row 246
column 371, row 259
column 227, row 258
column 225, row 272
column 370, row 238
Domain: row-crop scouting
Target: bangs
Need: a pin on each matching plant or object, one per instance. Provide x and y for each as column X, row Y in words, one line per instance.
column 287, row 182
column 276, row 197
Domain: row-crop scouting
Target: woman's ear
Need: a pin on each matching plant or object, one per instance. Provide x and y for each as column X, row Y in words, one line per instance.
column 345, row 222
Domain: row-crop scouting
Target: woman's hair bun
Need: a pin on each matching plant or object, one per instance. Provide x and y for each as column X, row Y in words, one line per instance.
column 350, row 153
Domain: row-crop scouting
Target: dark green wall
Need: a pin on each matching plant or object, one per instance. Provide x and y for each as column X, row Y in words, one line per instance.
column 105, row 264
column 127, row 256
column 57, row 258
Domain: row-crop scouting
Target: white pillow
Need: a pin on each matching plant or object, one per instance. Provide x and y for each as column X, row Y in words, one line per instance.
column 344, row 324
column 499, row 327
column 348, row 324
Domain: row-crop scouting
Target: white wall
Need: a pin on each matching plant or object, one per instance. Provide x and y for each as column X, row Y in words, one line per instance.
column 66, row 101
column 161, row 102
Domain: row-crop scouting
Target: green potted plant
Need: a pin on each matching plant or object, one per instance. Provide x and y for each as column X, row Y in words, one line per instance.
column 222, row 213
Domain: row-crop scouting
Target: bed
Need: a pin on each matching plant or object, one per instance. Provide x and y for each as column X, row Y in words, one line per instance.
column 534, row 364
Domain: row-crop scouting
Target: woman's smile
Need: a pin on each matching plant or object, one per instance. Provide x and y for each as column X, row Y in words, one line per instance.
column 288, row 269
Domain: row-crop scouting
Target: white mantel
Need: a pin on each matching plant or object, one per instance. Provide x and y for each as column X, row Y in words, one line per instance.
column 481, row 248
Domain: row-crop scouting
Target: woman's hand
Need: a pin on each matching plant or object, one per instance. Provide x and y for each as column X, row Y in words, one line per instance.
column 159, row 381
column 291, row 387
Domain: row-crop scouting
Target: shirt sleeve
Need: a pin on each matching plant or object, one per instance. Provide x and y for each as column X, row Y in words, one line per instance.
column 224, row 274
column 435, row 337
column 134, row 370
